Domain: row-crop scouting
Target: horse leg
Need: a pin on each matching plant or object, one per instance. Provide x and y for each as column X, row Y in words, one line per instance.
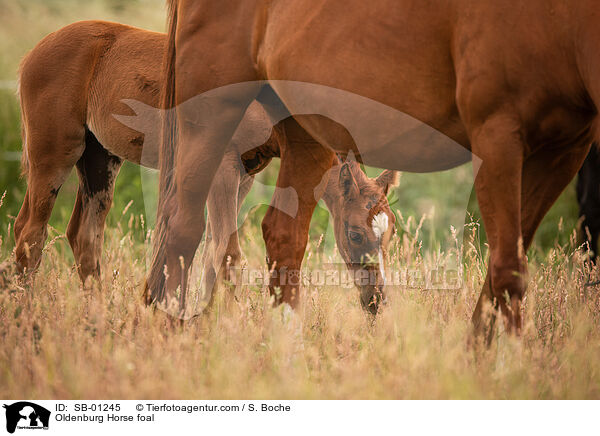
column 201, row 146
column 538, row 194
column 97, row 170
column 233, row 252
column 225, row 253
column 208, row 253
column 210, row 93
column 222, row 205
column 498, row 186
column 590, row 229
column 588, row 198
column 304, row 162
column 50, row 160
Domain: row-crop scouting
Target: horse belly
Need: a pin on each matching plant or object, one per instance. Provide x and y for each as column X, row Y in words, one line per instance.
column 382, row 84
column 124, row 106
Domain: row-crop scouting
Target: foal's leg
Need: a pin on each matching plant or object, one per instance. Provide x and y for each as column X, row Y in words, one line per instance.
column 304, row 162
column 52, row 153
column 222, row 252
column 97, row 170
column 233, row 252
column 206, row 260
column 222, row 205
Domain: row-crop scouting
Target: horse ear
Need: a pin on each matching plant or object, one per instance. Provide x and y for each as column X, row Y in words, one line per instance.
column 347, row 182
column 388, row 178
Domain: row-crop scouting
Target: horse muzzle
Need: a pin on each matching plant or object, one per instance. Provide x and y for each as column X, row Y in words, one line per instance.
column 372, row 298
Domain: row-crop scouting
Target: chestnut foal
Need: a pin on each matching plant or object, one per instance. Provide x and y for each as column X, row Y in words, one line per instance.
column 71, row 85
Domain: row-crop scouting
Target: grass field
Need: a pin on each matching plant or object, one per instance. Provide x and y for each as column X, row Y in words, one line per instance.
column 61, row 341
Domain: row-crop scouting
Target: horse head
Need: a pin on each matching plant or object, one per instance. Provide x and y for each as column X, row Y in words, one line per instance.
column 363, row 225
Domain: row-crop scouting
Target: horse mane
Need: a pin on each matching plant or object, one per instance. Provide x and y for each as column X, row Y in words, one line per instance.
column 166, row 161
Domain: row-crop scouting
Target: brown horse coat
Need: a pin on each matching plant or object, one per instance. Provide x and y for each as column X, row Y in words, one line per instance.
column 514, row 82
column 72, row 86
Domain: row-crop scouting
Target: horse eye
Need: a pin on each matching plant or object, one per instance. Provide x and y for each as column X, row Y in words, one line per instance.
column 355, row 237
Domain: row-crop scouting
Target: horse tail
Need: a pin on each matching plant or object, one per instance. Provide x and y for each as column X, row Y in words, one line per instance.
column 24, row 153
column 169, row 135
column 154, row 288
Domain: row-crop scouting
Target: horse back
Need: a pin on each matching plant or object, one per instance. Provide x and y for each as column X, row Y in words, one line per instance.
column 82, row 72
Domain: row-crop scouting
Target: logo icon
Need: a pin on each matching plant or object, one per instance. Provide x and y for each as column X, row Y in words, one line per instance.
column 26, row 415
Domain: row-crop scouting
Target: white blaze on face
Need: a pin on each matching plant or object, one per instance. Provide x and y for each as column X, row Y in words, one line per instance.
column 380, row 225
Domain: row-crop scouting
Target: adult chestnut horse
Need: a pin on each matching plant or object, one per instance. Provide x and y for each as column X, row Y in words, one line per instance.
column 516, row 83
column 72, row 85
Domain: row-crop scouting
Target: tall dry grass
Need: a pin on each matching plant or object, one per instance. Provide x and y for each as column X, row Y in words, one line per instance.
column 61, row 341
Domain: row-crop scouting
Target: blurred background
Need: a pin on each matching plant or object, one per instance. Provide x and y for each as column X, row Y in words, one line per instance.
column 441, row 199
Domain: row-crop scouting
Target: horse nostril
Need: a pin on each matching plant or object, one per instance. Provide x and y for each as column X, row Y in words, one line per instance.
column 372, row 307
column 372, row 301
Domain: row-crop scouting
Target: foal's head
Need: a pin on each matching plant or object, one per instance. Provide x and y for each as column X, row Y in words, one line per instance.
column 364, row 224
